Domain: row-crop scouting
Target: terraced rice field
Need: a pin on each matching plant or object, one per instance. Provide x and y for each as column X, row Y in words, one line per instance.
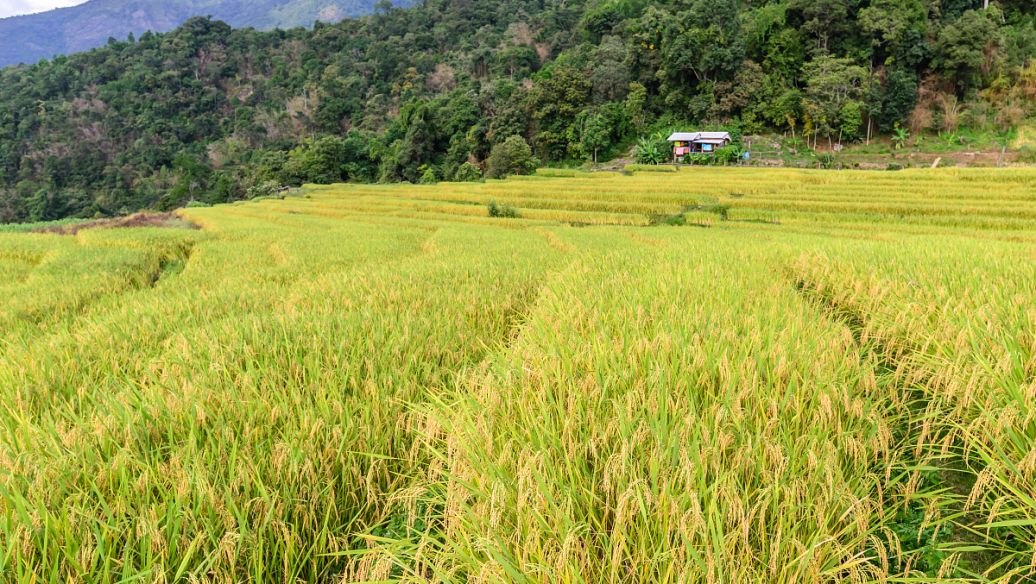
column 718, row 375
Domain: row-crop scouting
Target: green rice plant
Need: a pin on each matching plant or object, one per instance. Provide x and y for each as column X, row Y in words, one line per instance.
column 385, row 383
column 701, row 218
column 675, row 430
column 557, row 172
column 27, row 227
column 965, row 346
column 649, row 168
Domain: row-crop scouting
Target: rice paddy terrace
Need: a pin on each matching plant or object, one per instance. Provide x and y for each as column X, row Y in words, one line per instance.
column 712, row 375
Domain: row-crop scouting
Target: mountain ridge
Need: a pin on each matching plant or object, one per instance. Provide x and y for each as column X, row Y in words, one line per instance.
column 34, row 37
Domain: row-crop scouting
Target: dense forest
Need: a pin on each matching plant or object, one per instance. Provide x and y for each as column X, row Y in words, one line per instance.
column 453, row 89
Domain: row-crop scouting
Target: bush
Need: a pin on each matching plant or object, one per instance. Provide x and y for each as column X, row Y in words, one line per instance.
column 826, row 160
column 722, row 210
column 467, row 172
column 265, row 189
column 1027, row 154
column 503, row 211
column 316, row 161
column 677, row 220
column 513, row 156
column 895, row 166
column 699, row 159
column 728, row 155
column 196, row 204
column 428, row 176
column 654, row 149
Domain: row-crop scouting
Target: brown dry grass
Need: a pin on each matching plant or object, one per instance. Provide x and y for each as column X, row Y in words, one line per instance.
column 166, row 220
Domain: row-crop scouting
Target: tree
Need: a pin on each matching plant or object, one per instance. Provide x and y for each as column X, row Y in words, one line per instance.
column 357, row 165
column 967, row 48
column 786, row 110
column 420, row 141
column 192, row 181
column 428, row 176
column 653, row 149
column 45, row 205
column 746, row 95
column 610, row 76
column 467, row 172
column 825, row 19
column 701, row 46
column 850, row 120
column 515, row 61
column 635, row 106
column 600, row 20
column 898, row 98
column 513, row 156
column 555, row 101
column 898, row 29
column 831, row 83
column 593, row 132
column 900, row 135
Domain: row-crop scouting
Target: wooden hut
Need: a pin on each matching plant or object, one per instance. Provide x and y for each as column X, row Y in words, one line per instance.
column 685, row 143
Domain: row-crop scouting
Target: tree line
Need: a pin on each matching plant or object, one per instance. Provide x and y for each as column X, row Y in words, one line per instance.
column 461, row 89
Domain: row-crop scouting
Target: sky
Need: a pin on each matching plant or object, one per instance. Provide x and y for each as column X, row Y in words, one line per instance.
column 16, row 7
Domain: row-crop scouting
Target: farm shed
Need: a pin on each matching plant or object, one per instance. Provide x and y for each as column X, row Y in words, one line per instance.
column 697, row 142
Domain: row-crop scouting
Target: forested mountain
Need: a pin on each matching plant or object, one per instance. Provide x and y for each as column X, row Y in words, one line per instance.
column 28, row 39
column 210, row 113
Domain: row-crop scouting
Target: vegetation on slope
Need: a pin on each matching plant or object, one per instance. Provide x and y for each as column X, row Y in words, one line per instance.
column 427, row 93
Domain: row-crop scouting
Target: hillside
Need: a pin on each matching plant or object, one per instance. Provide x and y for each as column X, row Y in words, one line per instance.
column 821, row 377
column 29, row 38
column 212, row 113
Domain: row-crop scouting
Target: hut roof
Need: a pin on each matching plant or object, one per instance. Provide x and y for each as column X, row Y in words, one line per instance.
column 705, row 137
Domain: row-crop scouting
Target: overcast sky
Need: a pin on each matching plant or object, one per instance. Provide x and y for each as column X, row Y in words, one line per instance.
column 15, row 7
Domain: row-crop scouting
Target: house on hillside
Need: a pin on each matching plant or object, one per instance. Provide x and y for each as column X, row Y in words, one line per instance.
column 685, row 143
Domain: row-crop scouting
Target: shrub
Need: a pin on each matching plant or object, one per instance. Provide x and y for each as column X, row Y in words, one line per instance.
column 895, row 166
column 653, row 149
column 196, row 204
column 721, row 210
column 677, row 220
column 826, row 160
column 728, row 155
column 513, row 156
column 264, row 189
column 698, row 159
column 503, row 211
column 428, row 176
column 467, row 172
column 1027, row 154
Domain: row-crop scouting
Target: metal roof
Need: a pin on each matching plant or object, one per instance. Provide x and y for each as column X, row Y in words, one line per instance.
column 711, row 137
column 684, row 136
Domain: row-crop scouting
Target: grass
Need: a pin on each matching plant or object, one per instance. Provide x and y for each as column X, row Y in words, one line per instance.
column 833, row 382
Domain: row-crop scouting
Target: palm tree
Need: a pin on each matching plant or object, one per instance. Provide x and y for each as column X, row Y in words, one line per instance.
column 899, row 136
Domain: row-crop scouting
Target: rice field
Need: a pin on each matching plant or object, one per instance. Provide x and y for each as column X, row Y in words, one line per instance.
column 708, row 375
